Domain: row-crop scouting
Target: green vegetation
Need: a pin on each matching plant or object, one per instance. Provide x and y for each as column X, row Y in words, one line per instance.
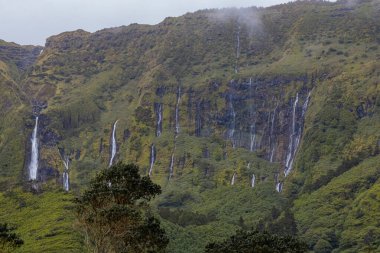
column 90, row 80
column 258, row 242
column 8, row 239
column 114, row 212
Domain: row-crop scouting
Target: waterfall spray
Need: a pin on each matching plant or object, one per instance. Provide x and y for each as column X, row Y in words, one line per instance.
column 253, row 180
column 33, row 166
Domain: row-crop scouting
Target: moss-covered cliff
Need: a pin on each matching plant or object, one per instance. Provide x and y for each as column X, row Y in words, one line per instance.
column 287, row 96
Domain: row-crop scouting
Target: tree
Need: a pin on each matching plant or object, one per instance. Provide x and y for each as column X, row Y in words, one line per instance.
column 8, row 240
column 257, row 242
column 114, row 212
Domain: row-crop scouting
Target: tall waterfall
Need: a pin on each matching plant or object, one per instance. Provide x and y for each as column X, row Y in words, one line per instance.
column 171, row 166
column 65, row 175
column 113, row 148
column 232, row 115
column 158, row 109
column 177, row 111
column 252, row 126
column 233, row 178
column 152, row 158
column 33, row 166
column 293, row 141
column 271, row 136
column 296, row 134
column 253, row 180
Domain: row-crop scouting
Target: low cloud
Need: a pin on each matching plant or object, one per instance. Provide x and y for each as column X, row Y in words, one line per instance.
column 248, row 17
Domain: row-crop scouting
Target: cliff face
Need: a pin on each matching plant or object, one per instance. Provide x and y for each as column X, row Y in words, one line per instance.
column 286, row 97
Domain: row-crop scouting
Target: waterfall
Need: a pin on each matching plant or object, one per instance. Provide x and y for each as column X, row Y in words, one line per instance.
column 231, row 130
column 252, row 126
column 233, row 179
column 253, row 181
column 33, row 166
column 279, row 187
column 113, row 149
column 171, row 171
column 272, row 154
column 271, row 137
column 177, row 111
column 293, row 141
column 152, row 158
column 158, row 110
column 306, row 104
column 65, row 175
column 253, row 138
column 237, row 50
column 296, row 135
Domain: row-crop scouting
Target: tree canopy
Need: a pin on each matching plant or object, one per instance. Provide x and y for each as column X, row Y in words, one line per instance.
column 257, row 242
column 114, row 212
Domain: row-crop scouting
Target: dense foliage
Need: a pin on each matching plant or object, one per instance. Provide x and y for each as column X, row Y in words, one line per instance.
column 258, row 242
column 114, row 212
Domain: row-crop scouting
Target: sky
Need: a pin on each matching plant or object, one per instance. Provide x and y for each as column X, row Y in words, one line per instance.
column 32, row 21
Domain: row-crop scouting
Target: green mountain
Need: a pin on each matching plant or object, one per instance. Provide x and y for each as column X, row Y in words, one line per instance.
column 255, row 117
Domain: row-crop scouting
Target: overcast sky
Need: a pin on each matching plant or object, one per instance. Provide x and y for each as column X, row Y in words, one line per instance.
column 32, row 21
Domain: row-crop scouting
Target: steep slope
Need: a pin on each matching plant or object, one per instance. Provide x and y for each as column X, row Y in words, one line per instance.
column 222, row 108
column 14, row 61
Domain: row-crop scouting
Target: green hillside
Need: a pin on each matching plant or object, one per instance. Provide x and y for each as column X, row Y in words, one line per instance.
column 287, row 95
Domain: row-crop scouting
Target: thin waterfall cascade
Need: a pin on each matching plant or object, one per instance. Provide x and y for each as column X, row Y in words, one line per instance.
column 272, row 154
column 253, row 181
column 65, row 175
column 177, row 111
column 237, row 50
column 271, row 136
column 253, row 125
column 292, row 140
column 279, row 187
column 152, row 158
column 231, row 129
column 66, row 183
column 296, row 133
column 33, row 166
column 171, row 166
column 114, row 144
column 158, row 109
column 306, row 104
column 233, row 178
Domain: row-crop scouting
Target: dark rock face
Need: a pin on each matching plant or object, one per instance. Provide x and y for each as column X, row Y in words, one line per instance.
column 47, row 173
column 22, row 56
column 257, row 114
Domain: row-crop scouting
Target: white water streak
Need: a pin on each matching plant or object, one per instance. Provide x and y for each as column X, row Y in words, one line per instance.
column 33, row 166
column 177, row 111
column 152, row 158
column 253, row 180
column 233, row 179
column 114, row 144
